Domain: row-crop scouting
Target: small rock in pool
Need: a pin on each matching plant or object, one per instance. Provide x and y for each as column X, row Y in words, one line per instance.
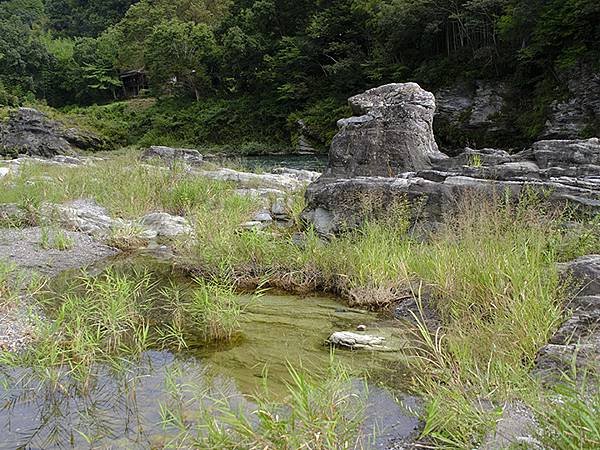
column 361, row 328
column 356, row 341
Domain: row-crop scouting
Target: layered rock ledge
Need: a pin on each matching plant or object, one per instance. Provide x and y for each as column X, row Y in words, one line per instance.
column 30, row 132
column 388, row 155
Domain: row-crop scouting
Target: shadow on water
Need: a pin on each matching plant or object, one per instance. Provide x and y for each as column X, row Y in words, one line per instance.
column 121, row 406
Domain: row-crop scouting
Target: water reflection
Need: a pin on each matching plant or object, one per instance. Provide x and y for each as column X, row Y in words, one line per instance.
column 121, row 405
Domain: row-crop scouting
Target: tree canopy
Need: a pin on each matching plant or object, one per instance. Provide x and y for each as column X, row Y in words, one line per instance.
column 286, row 57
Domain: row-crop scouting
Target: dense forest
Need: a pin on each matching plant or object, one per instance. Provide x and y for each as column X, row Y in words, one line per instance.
column 241, row 72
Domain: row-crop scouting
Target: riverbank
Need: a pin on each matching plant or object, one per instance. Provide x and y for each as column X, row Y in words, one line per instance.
column 487, row 277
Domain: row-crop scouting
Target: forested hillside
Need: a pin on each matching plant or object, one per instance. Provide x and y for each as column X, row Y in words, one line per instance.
column 243, row 72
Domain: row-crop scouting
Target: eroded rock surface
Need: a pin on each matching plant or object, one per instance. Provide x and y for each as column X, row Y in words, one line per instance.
column 471, row 110
column 29, row 131
column 282, row 180
column 577, row 341
column 391, row 133
column 355, row 341
column 24, row 248
column 580, row 110
column 165, row 225
column 565, row 171
column 171, row 155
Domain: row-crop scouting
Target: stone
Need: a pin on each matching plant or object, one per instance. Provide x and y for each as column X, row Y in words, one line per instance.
column 166, row 225
column 568, row 153
column 564, row 172
column 262, row 216
column 473, row 157
column 391, row 133
column 29, row 131
column 579, row 112
column 67, row 160
column 361, row 328
column 585, row 271
column 4, row 171
column 12, row 214
column 83, row 215
column 279, row 208
column 171, row 155
column 516, row 428
column 577, row 341
column 355, row 341
column 254, row 225
column 282, row 180
column 307, row 139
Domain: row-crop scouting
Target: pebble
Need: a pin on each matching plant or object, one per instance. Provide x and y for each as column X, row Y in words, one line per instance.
column 361, row 328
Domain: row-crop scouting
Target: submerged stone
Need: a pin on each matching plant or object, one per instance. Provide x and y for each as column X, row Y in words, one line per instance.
column 356, row 341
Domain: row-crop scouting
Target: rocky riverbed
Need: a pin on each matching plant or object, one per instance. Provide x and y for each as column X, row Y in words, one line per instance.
column 386, row 155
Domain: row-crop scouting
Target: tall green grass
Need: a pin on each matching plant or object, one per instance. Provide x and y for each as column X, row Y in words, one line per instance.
column 322, row 413
column 124, row 185
column 99, row 320
column 569, row 417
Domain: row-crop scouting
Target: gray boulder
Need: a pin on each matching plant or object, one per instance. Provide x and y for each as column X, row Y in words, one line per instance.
column 562, row 171
column 83, row 215
column 586, row 272
column 29, row 131
column 577, row 341
column 391, row 133
column 165, row 225
column 171, row 155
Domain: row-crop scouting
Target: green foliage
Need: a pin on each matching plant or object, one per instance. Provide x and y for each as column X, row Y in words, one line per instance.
column 323, row 413
column 179, row 55
column 85, row 18
column 570, row 417
column 261, row 66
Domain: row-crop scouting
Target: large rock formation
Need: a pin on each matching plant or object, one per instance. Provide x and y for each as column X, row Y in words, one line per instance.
column 30, row 132
column 367, row 176
column 391, row 133
column 472, row 113
column 578, row 112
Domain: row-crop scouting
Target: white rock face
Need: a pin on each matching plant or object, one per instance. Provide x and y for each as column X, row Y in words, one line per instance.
column 356, row 341
column 283, row 180
column 82, row 215
column 87, row 216
column 166, row 225
column 170, row 155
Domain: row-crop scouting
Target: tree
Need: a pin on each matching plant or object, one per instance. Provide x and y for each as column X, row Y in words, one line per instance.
column 22, row 57
column 85, row 17
column 181, row 55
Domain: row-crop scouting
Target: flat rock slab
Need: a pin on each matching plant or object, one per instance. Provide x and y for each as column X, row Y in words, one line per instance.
column 351, row 340
column 22, row 247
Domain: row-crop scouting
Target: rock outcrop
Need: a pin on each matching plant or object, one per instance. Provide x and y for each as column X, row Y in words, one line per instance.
column 471, row 113
column 356, row 341
column 580, row 109
column 391, row 133
column 172, row 155
column 89, row 217
column 279, row 181
column 577, row 341
column 30, row 132
column 362, row 181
